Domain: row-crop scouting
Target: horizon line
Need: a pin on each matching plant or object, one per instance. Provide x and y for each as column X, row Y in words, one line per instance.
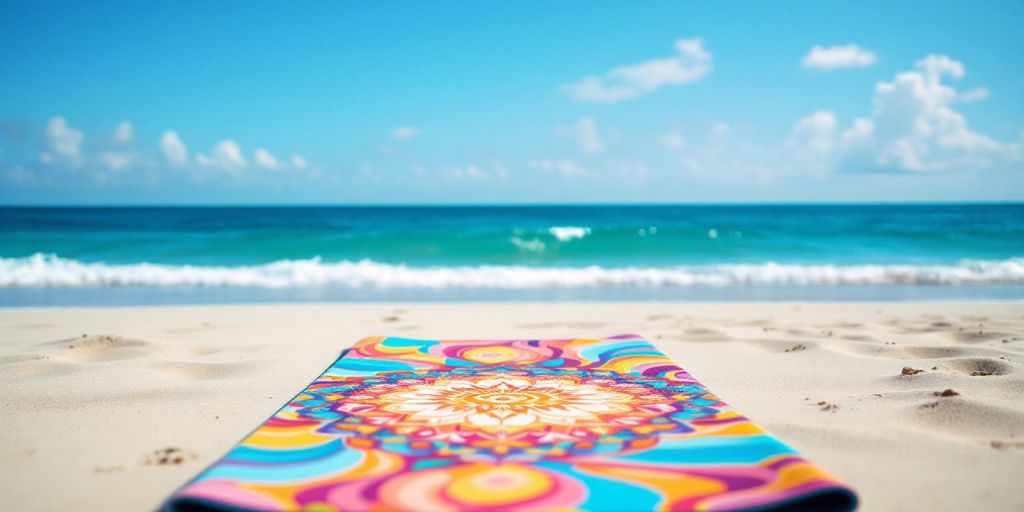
column 966, row 202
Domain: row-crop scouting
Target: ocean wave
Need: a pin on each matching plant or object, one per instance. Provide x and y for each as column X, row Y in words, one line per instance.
column 567, row 233
column 531, row 245
column 48, row 270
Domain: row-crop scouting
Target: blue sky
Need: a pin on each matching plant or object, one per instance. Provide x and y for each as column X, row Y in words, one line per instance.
column 510, row 102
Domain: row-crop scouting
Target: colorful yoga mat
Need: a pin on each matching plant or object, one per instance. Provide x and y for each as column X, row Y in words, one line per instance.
column 592, row 424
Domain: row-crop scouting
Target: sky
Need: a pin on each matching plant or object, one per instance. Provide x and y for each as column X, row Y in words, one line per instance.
column 510, row 102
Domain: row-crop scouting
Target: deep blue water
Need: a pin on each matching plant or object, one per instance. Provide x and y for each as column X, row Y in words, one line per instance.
column 83, row 255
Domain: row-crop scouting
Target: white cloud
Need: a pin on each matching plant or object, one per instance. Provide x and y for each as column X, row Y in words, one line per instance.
column 585, row 134
column 976, row 94
column 226, row 155
column 124, row 132
column 64, row 146
column 404, row 132
column 264, row 159
column 64, row 143
column 816, row 131
column 672, row 141
column 563, row 167
column 837, row 57
column 116, row 160
column 812, row 141
column 912, row 128
column 691, row 63
column 469, row 173
column 173, row 149
column 722, row 153
column 938, row 65
column 107, row 159
column 18, row 174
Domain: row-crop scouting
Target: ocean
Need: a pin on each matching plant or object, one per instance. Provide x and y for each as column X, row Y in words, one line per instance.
column 111, row 256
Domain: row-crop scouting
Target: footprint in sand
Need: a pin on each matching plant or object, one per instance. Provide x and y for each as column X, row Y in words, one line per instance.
column 977, row 335
column 21, row 358
column 23, row 366
column 940, row 326
column 977, row 366
column 781, row 346
column 702, row 334
column 858, row 337
column 100, row 348
column 949, row 372
column 201, row 351
column 965, row 419
column 841, row 325
column 160, row 359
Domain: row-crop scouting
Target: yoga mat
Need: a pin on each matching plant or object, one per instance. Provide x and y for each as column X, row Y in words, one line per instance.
column 592, row 424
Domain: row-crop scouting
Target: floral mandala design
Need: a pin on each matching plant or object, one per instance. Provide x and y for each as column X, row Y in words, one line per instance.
column 504, row 411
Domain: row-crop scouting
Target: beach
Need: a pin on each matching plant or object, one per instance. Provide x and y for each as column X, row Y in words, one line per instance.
column 115, row 408
column 823, row 225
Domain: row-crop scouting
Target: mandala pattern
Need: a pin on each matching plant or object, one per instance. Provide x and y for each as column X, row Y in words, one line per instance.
column 595, row 424
column 505, row 412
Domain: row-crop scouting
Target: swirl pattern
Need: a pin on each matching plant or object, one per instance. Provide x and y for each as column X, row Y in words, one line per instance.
column 590, row 424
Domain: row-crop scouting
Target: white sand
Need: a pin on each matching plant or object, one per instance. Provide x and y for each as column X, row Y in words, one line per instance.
column 83, row 415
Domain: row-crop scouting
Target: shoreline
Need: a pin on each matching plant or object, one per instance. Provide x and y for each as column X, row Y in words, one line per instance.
column 93, row 418
column 124, row 296
column 516, row 303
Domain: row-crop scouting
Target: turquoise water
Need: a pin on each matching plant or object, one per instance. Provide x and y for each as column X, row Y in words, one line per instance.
column 156, row 255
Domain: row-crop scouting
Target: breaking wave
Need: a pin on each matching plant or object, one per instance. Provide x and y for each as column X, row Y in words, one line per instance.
column 49, row 270
column 567, row 233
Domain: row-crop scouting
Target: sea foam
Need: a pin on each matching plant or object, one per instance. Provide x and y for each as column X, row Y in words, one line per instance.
column 566, row 233
column 48, row 270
